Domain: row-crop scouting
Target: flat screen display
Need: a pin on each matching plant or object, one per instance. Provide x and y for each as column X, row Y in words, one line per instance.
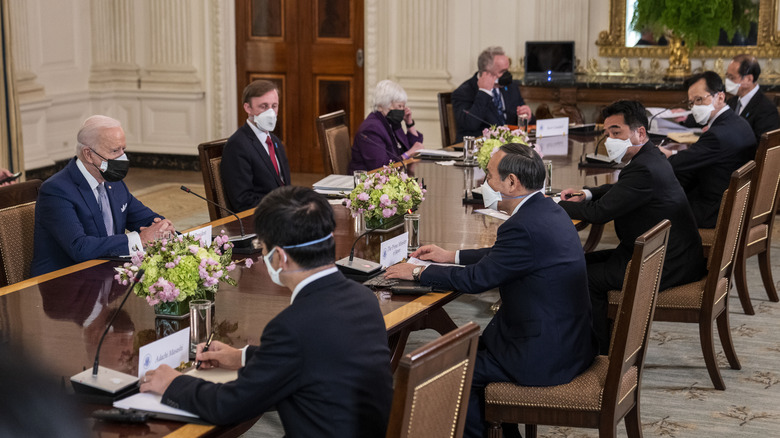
column 549, row 58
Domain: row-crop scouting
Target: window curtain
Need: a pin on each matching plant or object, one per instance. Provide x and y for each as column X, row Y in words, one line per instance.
column 11, row 156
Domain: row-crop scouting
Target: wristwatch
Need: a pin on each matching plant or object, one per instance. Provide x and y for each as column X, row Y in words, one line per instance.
column 416, row 273
column 409, row 125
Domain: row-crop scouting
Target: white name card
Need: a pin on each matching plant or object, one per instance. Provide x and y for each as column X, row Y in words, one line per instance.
column 393, row 250
column 558, row 145
column 552, row 127
column 171, row 350
column 202, row 234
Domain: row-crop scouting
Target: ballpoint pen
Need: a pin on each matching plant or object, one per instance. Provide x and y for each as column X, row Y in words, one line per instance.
column 571, row 195
column 205, row 349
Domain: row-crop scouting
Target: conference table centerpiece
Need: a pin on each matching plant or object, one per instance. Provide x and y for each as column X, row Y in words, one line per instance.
column 178, row 270
column 493, row 138
column 383, row 197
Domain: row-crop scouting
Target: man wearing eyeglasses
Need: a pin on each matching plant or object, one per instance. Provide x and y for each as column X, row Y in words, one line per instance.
column 727, row 143
column 748, row 101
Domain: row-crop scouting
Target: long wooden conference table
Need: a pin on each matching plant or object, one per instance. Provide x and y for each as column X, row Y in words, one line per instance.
column 53, row 318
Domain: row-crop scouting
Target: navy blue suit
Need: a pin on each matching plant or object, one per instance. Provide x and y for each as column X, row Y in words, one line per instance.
column 705, row 167
column 541, row 335
column 323, row 362
column 483, row 113
column 247, row 171
column 69, row 227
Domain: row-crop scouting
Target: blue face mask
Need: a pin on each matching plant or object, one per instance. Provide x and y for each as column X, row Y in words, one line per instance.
column 274, row 273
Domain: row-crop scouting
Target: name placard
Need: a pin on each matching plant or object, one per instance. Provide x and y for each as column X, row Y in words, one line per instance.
column 552, row 127
column 202, row 234
column 394, row 250
column 171, row 350
column 558, row 145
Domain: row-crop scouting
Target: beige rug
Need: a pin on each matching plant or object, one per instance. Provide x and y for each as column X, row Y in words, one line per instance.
column 184, row 210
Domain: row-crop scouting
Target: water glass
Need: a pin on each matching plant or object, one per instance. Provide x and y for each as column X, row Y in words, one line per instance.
column 548, row 177
column 200, row 323
column 468, row 149
column 412, row 226
column 357, row 175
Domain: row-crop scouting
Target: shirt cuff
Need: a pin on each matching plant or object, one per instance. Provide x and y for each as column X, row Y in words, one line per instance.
column 588, row 194
column 243, row 355
column 489, row 92
column 134, row 243
column 674, row 151
column 457, row 257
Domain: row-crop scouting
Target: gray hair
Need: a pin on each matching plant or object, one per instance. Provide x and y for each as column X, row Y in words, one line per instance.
column 92, row 129
column 387, row 92
column 485, row 58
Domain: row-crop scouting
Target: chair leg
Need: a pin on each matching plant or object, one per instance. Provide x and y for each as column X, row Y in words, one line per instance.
column 724, row 332
column 594, row 236
column 634, row 423
column 765, row 266
column 708, row 350
column 740, row 279
column 495, row 430
column 607, row 431
column 530, row 431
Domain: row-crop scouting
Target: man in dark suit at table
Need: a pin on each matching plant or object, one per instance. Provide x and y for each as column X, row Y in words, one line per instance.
column 254, row 160
column 645, row 193
column 727, row 143
column 324, row 361
column 83, row 210
column 747, row 100
column 541, row 334
column 490, row 97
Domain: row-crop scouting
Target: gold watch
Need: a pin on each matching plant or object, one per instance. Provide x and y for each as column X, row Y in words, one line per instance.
column 416, row 272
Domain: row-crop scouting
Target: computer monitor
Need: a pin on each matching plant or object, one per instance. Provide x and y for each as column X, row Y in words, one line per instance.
column 549, row 60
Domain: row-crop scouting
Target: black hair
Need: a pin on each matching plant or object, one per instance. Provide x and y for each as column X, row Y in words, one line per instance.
column 748, row 65
column 713, row 82
column 634, row 113
column 293, row 215
column 524, row 163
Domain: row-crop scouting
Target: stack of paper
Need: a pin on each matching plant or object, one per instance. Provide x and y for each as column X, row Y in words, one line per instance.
column 438, row 153
column 335, row 185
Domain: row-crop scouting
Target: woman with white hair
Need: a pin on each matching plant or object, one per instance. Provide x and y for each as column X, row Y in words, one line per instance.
column 381, row 138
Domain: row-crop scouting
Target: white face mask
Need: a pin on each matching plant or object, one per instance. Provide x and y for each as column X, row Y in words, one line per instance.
column 490, row 197
column 731, row 87
column 701, row 113
column 274, row 273
column 617, row 148
column 266, row 120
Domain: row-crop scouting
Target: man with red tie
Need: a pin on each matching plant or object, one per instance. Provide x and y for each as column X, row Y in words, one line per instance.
column 254, row 161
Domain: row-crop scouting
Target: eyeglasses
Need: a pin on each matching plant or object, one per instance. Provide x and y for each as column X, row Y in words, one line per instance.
column 698, row 100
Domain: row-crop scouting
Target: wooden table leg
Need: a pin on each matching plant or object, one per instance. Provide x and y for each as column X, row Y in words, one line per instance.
column 593, row 237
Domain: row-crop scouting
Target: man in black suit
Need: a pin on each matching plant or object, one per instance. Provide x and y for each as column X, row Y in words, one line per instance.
column 747, row 100
column 249, row 169
column 490, row 97
column 727, row 143
column 541, row 334
column 323, row 362
column 645, row 193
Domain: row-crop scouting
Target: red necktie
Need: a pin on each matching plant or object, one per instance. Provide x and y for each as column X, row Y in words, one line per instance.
column 272, row 153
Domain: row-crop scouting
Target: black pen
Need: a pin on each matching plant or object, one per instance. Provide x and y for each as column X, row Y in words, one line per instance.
column 571, row 195
column 205, row 349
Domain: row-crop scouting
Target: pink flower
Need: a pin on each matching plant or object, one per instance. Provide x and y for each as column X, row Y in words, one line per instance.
column 384, row 200
column 387, row 212
column 249, row 262
column 363, row 196
column 348, row 203
column 407, row 198
column 231, row 266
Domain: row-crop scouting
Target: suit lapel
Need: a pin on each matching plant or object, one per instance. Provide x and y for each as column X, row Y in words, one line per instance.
column 260, row 149
column 751, row 106
column 88, row 196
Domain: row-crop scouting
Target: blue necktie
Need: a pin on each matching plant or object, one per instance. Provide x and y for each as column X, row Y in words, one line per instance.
column 105, row 209
column 499, row 104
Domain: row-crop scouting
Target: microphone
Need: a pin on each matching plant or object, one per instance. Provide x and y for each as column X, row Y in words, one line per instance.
column 101, row 381
column 357, row 267
column 478, row 118
column 676, row 105
column 368, row 139
column 242, row 244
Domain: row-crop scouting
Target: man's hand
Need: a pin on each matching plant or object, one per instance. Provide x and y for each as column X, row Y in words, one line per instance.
column 665, row 151
column 568, row 195
column 157, row 381
column 417, row 147
column 149, row 234
column 434, row 254
column 5, row 173
column 219, row 356
column 400, row 270
column 486, row 80
column 524, row 111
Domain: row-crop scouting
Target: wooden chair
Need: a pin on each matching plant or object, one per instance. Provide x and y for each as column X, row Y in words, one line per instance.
column 432, row 387
column 447, row 119
column 706, row 301
column 608, row 391
column 762, row 206
column 17, row 229
column 210, row 160
column 335, row 142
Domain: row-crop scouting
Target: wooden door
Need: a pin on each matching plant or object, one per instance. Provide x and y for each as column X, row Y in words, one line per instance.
column 312, row 49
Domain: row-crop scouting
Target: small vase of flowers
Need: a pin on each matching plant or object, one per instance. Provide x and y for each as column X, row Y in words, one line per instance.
column 384, row 196
column 493, row 138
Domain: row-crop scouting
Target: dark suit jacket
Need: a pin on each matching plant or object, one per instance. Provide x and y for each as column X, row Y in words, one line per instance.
column 69, row 227
column 247, row 171
column 376, row 144
column 479, row 104
column 323, row 362
column 705, row 167
column 542, row 333
column 645, row 193
column 760, row 113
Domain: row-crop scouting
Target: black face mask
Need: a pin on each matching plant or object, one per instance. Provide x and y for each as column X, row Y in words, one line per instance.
column 113, row 170
column 505, row 79
column 395, row 117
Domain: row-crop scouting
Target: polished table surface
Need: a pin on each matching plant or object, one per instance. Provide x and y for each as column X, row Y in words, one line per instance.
column 46, row 316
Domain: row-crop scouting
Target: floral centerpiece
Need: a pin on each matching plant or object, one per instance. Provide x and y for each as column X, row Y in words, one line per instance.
column 493, row 138
column 178, row 270
column 383, row 195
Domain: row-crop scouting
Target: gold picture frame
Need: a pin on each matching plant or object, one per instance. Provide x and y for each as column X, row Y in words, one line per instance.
column 611, row 43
